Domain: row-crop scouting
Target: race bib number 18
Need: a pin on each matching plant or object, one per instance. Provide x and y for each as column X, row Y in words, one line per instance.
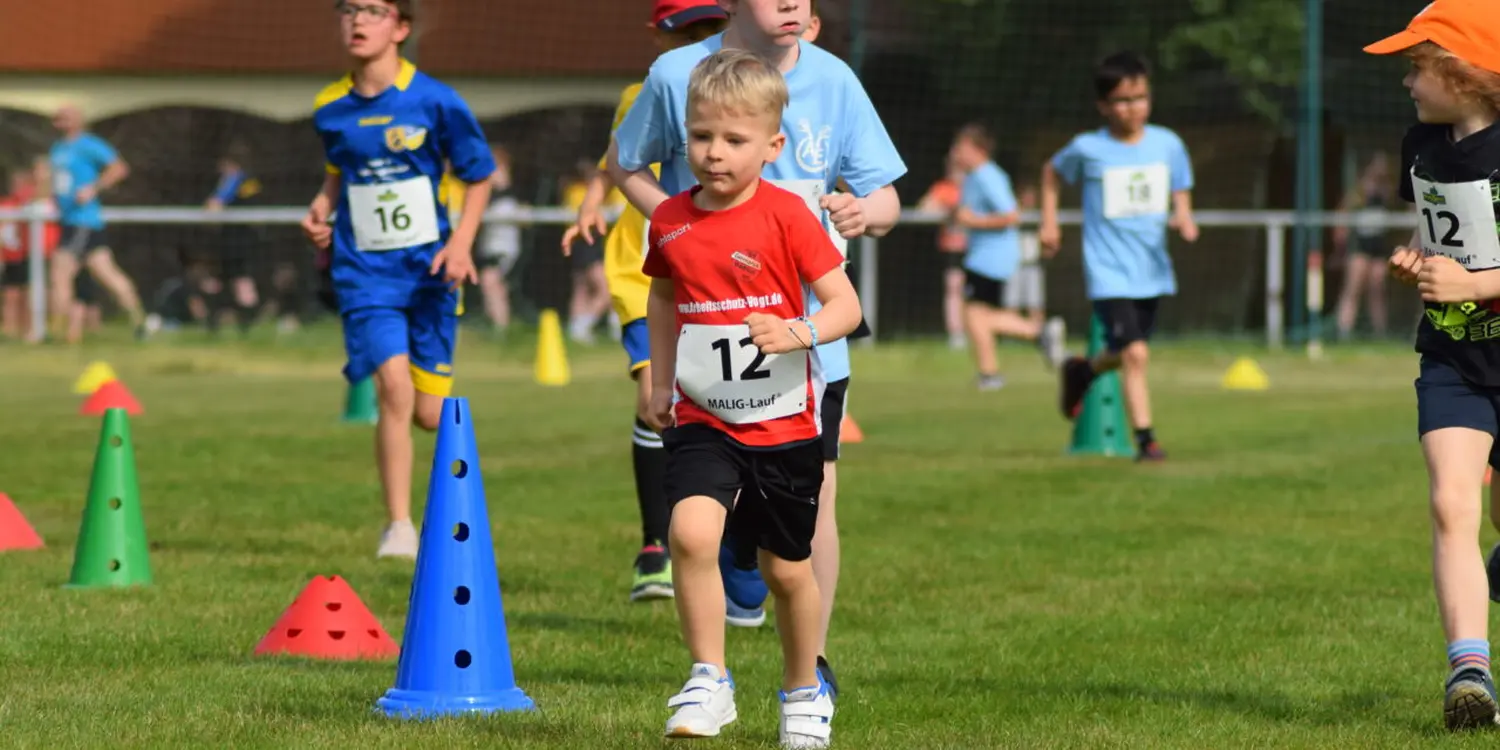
column 1136, row 191
column 1458, row 220
column 393, row 215
column 726, row 375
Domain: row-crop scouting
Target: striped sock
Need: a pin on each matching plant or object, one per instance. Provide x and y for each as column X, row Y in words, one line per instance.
column 1469, row 652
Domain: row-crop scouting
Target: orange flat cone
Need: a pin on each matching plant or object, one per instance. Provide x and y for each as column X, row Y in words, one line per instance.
column 111, row 395
column 849, row 432
column 328, row 621
column 15, row 532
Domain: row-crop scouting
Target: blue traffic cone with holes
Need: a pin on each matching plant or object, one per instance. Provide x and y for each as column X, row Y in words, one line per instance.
column 455, row 654
column 1101, row 428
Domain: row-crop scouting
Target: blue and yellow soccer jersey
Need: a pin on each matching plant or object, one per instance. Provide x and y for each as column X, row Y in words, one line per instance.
column 624, row 255
column 389, row 153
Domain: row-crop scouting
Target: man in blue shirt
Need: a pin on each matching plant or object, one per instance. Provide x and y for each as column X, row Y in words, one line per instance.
column 988, row 212
column 1137, row 181
column 83, row 166
column 398, row 264
column 833, row 133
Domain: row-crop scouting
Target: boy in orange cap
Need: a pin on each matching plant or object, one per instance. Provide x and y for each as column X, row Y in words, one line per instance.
column 1450, row 161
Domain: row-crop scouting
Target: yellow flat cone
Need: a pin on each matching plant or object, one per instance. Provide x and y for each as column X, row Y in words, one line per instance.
column 95, row 375
column 551, row 353
column 1245, row 375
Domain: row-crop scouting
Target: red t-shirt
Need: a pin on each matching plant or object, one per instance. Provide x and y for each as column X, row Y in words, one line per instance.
column 724, row 265
column 15, row 237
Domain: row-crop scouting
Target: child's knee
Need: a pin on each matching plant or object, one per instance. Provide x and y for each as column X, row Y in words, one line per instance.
column 696, row 529
column 784, row 577
column 1135, row 354
column 428, row 411
column 1455, row 510
column 394, row 388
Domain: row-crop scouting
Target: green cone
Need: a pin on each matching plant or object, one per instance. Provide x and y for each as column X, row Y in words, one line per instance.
column 359, row 406
column 1101, row 428
column 112, row 547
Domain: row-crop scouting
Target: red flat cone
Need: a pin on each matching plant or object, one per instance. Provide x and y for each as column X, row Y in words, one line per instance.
column 849, row 431
column 15, row 532
column 328, row 621
column 111, row 395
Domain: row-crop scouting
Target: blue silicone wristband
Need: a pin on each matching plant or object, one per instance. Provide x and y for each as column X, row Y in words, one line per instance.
column 811, row 329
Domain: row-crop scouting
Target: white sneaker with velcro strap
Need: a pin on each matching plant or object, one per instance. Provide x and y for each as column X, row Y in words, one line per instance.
column 807, row 717
column 704, row 706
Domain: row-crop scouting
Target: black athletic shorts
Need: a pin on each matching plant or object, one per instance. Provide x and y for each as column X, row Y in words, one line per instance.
column 16, row 274
column 1126, row 321
column 777, row 488
column 1445, row 399
column 835, row 397
column 80, row 241
column 984, row 290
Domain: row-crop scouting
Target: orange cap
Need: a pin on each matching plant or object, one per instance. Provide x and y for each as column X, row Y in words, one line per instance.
column 1469, row 29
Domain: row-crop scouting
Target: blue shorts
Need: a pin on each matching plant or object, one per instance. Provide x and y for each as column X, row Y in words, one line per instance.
column 1445, row 399
column 635, row 336
column 426, row 332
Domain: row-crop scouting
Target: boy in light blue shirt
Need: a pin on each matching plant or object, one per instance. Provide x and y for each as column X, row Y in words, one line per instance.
column 1136, row 183
column 987, row 210
column 832, row 132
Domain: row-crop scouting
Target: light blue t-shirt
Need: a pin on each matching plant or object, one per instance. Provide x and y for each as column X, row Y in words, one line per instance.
column 831, row 127
column 1127, row 198
column 993, row 253
column 77, row 163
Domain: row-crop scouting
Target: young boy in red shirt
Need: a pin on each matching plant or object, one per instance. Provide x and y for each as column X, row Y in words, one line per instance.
column 737, row 385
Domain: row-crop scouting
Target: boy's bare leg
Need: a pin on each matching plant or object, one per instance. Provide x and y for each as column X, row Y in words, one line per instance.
column 396, row 398
column 696, row 529
column 798, row 617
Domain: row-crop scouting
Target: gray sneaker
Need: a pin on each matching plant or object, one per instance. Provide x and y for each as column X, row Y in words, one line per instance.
column 1052, row 342
column 1470, row 699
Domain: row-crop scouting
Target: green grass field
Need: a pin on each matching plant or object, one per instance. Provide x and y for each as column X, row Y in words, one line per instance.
column 1269, row 586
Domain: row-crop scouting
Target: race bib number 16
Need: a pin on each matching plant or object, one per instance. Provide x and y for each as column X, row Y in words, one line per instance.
column 725, row 374
column 393, row 215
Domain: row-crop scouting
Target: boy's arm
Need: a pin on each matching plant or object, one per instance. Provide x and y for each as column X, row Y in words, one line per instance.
column 841, row 311
column 640, row 188
column 1182, row 215
column 1049, row 234
column 661, row 322
column 476, row 201
column 882, row 209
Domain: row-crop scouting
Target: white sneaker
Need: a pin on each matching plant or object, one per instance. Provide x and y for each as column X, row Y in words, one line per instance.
column 399, row 540
column 704, row 706
column 807, row 717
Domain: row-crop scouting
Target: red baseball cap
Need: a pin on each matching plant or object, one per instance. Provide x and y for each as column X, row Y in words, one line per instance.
column 671, row 15
column 1469, row 29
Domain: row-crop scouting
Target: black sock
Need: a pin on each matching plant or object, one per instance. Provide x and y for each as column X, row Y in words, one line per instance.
column 650, row 460
column 1143, row 437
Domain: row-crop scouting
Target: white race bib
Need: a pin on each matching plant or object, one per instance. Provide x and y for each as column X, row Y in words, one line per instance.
column 1136, row 191
column 393, row 215
column 812, row 192
column 1458, row 220
column 727, row 376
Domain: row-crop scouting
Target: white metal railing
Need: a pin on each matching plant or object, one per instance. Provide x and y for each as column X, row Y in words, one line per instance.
column 1273, row 223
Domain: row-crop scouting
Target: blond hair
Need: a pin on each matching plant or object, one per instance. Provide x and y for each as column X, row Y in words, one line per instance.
column 1461, row 76
column 739, row 81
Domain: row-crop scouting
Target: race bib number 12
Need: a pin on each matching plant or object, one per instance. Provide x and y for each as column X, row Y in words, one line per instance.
column 393, row 215
column 725, row 374
column 1457, row 219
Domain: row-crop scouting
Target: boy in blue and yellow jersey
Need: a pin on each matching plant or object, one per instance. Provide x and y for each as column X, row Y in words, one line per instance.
column 397, row 260
column 675, row 23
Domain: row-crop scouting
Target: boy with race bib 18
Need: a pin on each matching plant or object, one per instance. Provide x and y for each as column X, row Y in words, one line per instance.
column 833, row 133
column 387, row 131
column 1450, row 161
column 1137, row 181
